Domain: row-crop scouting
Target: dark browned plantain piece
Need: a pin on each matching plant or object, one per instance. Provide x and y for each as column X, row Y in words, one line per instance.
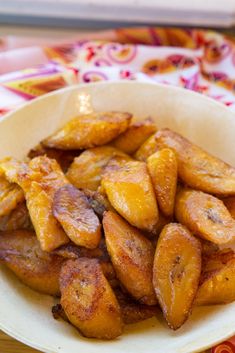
column 79, row 221
column 176, row 273
column 89, row 130
column 21, row 252
column 205, row 215
column 98, row 201
column 136, row 134
column 162, row 166
column 88, row 300
column 132, row 311
column 64, row 158
column 132, row 257
column 18, row 219
column 197, row 168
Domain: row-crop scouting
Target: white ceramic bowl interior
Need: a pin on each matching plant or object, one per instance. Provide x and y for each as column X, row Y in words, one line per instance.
column 25, row 314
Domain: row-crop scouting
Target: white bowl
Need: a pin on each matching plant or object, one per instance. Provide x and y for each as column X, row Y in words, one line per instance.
column 25, row 314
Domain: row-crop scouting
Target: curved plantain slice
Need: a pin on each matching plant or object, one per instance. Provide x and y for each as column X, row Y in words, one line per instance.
column 89, row 130
column 21, row 252
column 130, row 192
column 88, row 300
column 176, row 273
column 162, row 166
column 39, row 180
column 10, row 196
column 146, row 149
column 79, row 221
column 217, row 284
column 230, row 204
column 132, row 257
column 85, row 171
column 197, row 168
column 136, row 134
column 205, row 215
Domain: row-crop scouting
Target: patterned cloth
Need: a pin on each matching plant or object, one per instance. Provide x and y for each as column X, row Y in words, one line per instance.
column 203, row 61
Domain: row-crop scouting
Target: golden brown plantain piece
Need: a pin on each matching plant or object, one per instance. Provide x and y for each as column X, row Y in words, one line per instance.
column 205, row 215
column 88, row 300
column 146, row 149
column 197, row 168
column 39, row 180
column 85, row 172
column 230, row 204
column 18, row 219
column 132, row 257
column 64, row 158
column 21, row 252
column 176, row 273
column 137, row 133
column 89, row 130
column 130, row 192
column 10, row 196
column 217, row 284
column 79, row 221
column 162, row 166
column 132, row 311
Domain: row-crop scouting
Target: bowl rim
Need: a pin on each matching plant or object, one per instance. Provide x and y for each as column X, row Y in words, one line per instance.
column 117, row 83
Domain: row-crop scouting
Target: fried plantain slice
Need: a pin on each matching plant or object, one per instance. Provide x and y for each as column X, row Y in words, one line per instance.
column 89, row 130
column 176, row 273
column 196, row 167
column 217, row 284
column 132, row 257
column 79, row 221
column 162, row 166
column 88, row 300
column 230, row 204
column 205, row 215
column 18, row 219
column 21, row 252
column 10, row 196
column 130, row 191
column 64, row 158
column 146, row 149
column 132, row 311
column 136, row 134
column 85, row 172
column 39, row 180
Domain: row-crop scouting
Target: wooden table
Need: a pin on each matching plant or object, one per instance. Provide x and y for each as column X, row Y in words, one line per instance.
column 9, row 345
